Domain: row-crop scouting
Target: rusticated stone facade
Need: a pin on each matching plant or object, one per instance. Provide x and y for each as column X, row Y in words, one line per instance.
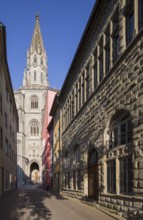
column 102, row 110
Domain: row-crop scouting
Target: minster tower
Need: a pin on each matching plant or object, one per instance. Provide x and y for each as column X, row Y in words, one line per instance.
column 30, row 100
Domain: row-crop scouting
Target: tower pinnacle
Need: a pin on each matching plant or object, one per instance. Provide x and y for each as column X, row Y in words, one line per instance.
column 36, row 70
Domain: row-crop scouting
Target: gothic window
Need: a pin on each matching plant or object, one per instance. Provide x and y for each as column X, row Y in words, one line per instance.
column 34, row 126
column 34, row 102
column 35, row 75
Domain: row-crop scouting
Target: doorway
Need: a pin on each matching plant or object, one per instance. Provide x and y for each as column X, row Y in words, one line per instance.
column 93, row 175
column 34, row 172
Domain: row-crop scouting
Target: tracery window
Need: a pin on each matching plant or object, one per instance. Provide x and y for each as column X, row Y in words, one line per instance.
column 34, row 126
column 34, row 102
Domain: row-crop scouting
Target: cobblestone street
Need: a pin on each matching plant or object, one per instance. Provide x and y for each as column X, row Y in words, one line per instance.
column 42, row 205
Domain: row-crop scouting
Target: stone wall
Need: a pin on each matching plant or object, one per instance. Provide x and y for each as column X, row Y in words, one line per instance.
column 122, row 88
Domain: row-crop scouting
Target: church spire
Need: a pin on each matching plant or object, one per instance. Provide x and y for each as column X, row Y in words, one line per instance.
column 35, row 73
column 37, row 42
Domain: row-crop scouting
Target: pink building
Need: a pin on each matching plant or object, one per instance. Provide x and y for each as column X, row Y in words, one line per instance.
column 47, row 149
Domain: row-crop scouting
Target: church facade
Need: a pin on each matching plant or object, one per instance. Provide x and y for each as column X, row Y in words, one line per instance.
column 30, row 101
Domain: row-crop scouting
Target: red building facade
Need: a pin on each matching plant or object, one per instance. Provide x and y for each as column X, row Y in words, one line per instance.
column 47, row 142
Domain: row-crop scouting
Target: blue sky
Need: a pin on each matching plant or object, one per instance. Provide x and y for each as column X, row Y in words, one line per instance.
column 62, row 24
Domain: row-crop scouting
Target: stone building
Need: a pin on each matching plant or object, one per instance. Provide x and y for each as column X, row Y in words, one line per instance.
column 8, row 122
column 102, row 110
column 30, row 100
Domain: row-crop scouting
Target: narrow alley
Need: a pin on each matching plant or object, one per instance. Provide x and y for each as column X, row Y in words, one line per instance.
column 42, row 205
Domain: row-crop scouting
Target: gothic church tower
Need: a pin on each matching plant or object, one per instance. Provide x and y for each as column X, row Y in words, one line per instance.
column 30, row 100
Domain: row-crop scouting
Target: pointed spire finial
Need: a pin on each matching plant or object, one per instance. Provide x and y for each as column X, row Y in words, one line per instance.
column 37, row 16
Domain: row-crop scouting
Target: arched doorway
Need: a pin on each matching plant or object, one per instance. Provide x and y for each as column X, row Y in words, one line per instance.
column 93, row 175
column 34, row 172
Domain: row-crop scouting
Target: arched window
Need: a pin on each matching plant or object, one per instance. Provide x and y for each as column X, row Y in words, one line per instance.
column 35, row 75
column 120, row 129
column 34, row 126
column 34, row 102
column 120, row 135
